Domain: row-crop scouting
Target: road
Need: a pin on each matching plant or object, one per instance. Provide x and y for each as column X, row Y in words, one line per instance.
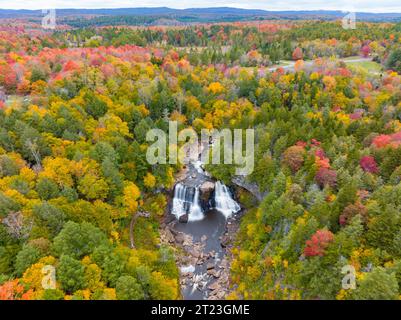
column 309, row 63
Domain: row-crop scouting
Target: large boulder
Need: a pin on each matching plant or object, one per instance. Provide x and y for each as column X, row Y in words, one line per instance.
column 179, row 238
column 252, row 187
column 183, row 218
column 206, row 191
column 182, row 175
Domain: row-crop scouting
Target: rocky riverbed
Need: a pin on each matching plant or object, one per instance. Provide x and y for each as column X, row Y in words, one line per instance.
column 203, row 253
column 201, row 222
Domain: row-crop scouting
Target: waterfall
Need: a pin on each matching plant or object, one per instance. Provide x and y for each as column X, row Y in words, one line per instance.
column 196, row 212
column 186, row 200
column 224, row 201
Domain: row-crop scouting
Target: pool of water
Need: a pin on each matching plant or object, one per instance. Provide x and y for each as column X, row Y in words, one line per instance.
column 213, row 226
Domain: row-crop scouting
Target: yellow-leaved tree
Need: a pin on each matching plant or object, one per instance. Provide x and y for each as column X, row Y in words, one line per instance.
column 130, row 198
column 149, row 180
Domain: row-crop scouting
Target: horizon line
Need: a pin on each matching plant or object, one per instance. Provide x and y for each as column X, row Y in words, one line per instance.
column 217, row 7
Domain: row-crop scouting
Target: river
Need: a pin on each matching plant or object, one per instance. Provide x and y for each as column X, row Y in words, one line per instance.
column 204, row 264
column 213, row 226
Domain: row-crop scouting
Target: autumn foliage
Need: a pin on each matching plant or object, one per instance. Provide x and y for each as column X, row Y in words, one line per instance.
column 368, row 164
column 76, row 106
column 318, row 243
column 294, row 157
column 326, row 177
column 13, row 290
column 297, row 54
column 351, row 211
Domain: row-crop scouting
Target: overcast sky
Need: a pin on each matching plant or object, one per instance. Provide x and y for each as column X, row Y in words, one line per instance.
column 343, row 5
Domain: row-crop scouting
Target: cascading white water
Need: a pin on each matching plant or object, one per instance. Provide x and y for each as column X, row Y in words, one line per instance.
column 198, row 166
column 223, row 200
column 186, row 200
column 196, row 212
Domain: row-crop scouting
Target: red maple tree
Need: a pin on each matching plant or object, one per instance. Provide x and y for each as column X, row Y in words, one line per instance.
column 325, row 177
column 368, row 164
column 318, row 243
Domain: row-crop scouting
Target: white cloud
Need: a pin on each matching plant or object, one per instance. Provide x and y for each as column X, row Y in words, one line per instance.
column 343, row 5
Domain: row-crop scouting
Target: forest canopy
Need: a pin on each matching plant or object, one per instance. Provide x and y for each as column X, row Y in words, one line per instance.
column 75, row 107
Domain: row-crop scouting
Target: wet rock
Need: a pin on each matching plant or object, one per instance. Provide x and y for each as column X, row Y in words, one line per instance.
column 195, row 253
column 169, row 218
column 206, row 190
column 225, row 240
column 214, row 286
column 188, row 241
column 167, row 236
column 180, row 238
column 221, row 295
column 214, row 273
column 183, row 218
